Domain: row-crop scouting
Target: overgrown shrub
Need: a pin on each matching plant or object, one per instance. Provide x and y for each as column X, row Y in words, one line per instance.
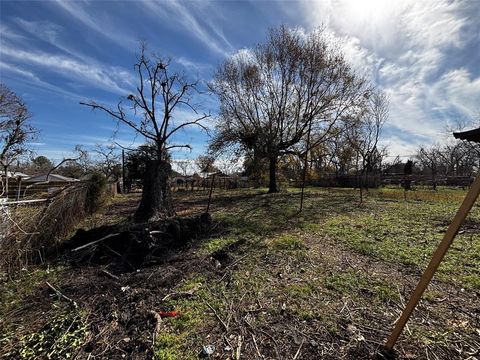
column 95, row 194
column 34, row 230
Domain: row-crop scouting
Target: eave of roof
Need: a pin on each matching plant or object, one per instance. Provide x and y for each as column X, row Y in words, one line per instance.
column 470, row 135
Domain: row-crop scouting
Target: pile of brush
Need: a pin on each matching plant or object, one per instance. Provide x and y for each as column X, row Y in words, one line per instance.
column 129, row 247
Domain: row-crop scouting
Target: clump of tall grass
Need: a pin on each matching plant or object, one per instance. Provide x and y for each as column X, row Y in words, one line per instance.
column 33, row 231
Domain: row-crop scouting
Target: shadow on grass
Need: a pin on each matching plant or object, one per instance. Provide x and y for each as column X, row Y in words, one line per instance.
column 266, row 214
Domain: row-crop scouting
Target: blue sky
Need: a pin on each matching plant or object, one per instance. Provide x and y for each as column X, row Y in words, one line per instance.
column 424, row 54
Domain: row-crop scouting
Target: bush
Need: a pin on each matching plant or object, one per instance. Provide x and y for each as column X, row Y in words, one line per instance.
column 95, row 195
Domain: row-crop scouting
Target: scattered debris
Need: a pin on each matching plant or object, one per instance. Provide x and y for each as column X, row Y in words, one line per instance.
column 158, row 325
column 61, row 295
column 207, row 350
column 169, row 314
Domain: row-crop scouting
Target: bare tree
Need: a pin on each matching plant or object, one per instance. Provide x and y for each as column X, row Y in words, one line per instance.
column 205, row 164
column 15, row 130
column 80, row 158
column 108, row 161
column 462, row 157
column 364, row 137
column 339, row 153
column 183, row 166
column 160, row 93
column 275, row 94
column 430, row 158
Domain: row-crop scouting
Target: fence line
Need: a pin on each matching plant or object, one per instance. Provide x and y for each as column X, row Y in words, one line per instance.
column 29, row 229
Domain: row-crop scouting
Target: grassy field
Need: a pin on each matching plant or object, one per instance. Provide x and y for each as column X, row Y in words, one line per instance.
column 271, row 283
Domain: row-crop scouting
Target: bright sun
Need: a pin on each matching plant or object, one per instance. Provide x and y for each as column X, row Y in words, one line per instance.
column 366, row 9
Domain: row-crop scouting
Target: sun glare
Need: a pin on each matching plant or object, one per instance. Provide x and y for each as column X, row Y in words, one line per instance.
column 366, row 9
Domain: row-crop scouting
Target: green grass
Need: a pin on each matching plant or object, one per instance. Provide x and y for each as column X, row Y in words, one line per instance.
column 284, row 275
column 59, row 338
column 385, row 226
column 23, row 284
column 175, row 340
column 287, row 242
column 352, row 282
column 406, row 233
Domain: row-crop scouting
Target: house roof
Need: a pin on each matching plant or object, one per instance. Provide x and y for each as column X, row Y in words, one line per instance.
column 52, row 177
column 15, row 174
column 470, row 135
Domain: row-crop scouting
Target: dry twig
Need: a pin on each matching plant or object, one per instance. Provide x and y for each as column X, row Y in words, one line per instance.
column 158, row 325
column 216, row 315
column 60, row 295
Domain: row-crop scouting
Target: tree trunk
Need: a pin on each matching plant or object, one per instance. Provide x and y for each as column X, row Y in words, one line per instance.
column 272, row 187
column 156, row 200
column 6, row 181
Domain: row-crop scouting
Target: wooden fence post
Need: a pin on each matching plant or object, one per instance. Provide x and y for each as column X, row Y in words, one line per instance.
column 437, row 258
column 210, row 193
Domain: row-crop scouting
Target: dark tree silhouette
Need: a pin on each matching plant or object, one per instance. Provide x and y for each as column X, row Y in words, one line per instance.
column 160, row 93
column 108, row 161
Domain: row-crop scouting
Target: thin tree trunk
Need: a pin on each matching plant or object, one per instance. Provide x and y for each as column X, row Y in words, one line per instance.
column 6, row 181
column 210, row 194
column 272, row 187
column 156, row 200
column 361, row 188
column 304, row 175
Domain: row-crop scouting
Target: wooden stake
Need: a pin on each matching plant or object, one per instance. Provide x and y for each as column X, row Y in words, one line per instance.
column 305, row 164
column 437, row 258
column 210, row 194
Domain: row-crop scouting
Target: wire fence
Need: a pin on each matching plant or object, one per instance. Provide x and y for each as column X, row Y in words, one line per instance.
column 30, row 230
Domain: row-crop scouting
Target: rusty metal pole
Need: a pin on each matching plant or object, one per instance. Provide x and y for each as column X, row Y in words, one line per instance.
column 437, row 258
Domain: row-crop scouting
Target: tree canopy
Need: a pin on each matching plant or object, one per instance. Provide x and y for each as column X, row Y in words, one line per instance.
column 275, row 94
column 15, row 127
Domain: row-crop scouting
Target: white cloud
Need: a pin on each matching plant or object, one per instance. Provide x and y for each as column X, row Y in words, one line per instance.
column 7, row 33
column 399, row 147
column 80, row 11
column 409, row 47
column 434, row 23
column 193, row 65
column 185, row 15
column 33, row 80
column 457, row 88
column 110, row 78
